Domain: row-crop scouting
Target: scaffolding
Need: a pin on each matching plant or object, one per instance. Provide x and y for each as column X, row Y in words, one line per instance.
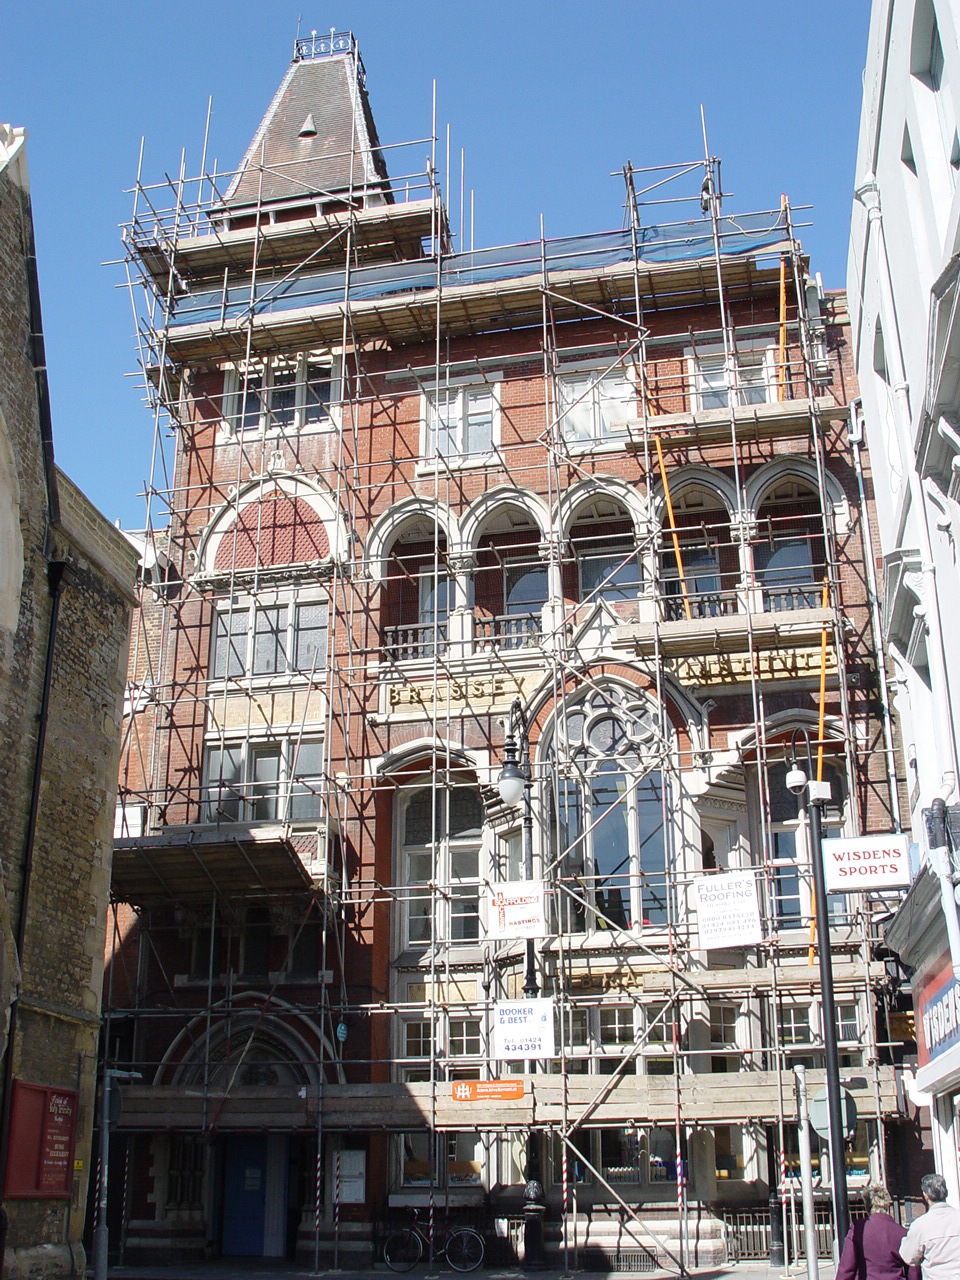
column 399, row 486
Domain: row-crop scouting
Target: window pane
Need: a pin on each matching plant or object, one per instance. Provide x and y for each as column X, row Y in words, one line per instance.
column 465, row 1037
column 264, row 783
column 465, row 915
column 653, row 878
column 609, row 572
column 611, row 848
column 305, row 950
column 417, row 1040
column 478, row 434
column 283, row 398
column 250, row 402
column 415, row 1169
column 464, row 1159
column 786, row 878
column 317, row 393
column 222, row 791
column 310, row 638
column 616, row 405
column 305, row 774
column 419, row 825
column 230, row 644
column 713, row 382
column 616, row 1025
column 525, row 587
column 270, row 641
column 728, row 1149
column 443, row 417
column 256, row 942
column 662, row 1146
column 466, row 812
column 620, row 1155
column 752, row 377
column 576, row 399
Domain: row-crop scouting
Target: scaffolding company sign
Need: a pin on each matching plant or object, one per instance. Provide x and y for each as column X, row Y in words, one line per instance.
column 866, row 862
column 517, row 910
column 523, row 1029
column 728, row 914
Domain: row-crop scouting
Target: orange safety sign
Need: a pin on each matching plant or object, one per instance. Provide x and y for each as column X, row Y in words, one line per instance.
column 486, row 1090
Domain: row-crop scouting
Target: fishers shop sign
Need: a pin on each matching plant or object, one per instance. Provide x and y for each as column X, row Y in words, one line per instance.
column 866, row 862
column 938, row 1009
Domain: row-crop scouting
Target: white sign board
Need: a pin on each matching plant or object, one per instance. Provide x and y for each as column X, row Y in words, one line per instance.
column 728, row 913
column 523, row 1029
column 352, row 1169
column 517, row 910
column 866, row 862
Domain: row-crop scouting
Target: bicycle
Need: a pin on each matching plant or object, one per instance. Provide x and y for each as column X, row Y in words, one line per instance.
column 462, row 1247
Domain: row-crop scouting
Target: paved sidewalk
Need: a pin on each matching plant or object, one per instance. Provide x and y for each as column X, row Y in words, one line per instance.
column 257, row 1269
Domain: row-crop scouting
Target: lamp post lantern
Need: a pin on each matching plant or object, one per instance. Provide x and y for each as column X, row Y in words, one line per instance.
column 515, row 784
column 817, row 794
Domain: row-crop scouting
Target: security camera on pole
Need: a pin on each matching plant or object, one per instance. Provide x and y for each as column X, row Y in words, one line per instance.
column 817, row 795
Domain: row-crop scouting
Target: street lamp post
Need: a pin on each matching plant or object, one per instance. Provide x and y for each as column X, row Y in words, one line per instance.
column 817, row 794
column 515, row 784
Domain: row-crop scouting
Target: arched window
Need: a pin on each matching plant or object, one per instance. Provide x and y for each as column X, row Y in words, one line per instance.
column 789, row 556
column 439, row 856
column 607, row 823
column 510, row 582
column 418, row 594
column 701, row 583
column 605, row 553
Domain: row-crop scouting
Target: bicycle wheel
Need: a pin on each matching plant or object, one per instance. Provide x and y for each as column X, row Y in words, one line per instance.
column 465, row 1249
column 403, row 1250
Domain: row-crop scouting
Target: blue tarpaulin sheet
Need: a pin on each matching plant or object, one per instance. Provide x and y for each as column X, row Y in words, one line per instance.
column 676, row 242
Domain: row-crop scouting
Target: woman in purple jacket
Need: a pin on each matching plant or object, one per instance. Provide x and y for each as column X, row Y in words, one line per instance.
column 871, row 1249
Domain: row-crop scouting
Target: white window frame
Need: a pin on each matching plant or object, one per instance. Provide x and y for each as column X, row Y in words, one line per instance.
column 731, row 386
column 462, row 454
column 444, row 851
column 588, row 405
column 228, row 622
column 239, row 800
column 237, row 380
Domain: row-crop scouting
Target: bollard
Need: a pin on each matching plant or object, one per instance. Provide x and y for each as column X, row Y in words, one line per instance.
column 534, row 1211
column 776, row 1232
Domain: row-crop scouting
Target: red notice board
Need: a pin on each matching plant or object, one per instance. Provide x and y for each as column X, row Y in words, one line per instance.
column 43, row 1129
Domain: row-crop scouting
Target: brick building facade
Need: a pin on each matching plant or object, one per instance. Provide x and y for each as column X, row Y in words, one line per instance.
column 594, row 501
column 67, row 585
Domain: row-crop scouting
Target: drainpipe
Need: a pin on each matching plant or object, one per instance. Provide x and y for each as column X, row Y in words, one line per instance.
column 855, row 436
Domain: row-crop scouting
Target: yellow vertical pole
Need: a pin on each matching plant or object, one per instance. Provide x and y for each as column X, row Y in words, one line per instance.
column 673, row 527
column 825, row 600
column 782, row 350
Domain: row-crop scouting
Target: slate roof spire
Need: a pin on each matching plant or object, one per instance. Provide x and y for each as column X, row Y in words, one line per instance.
column 318, row 137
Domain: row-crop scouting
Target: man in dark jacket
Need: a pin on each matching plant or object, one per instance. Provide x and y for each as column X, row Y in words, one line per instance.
column 871, row 1249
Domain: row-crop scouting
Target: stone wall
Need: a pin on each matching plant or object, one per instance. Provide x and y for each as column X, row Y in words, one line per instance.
column 55, row 855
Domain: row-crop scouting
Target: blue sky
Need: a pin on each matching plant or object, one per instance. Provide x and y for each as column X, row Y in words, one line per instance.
column 545, row 98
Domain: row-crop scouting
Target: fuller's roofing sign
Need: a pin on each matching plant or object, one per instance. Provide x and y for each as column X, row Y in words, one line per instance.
column 728, row 914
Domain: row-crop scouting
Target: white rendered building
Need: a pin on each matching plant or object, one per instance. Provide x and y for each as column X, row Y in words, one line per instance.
column 904, row 289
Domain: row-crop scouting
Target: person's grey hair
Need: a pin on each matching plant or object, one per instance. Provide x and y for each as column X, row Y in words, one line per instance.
column 934, row 1187
column 878, row 1199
